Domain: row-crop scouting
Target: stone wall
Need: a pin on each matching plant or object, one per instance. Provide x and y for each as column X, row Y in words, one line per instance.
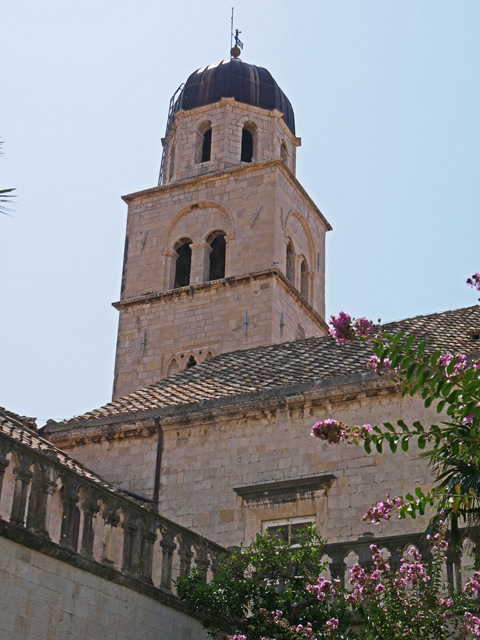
column 49, row 599
column 226, row 119
column 158, row 336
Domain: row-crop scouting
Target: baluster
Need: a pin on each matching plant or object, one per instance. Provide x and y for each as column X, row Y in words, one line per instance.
column 69, row 493
column 5, row 448
column 215, row 561
column 111, row 521
column 186, row 554
column 90, row 511
column 202, row 561
column 338, row 567
column 23, row 475
column 168, row 547
column 149, row 535
column 130, row 528
column 37, row 503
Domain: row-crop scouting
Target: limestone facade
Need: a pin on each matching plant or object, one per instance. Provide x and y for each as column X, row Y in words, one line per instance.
column 210, row 455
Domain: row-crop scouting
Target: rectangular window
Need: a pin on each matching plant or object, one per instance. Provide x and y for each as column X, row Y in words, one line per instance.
column 287, row 530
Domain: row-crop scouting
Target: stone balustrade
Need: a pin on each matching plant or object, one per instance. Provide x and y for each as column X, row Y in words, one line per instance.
column 48, row 497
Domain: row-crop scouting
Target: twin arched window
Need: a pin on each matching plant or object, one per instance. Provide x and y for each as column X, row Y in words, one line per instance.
column 183, row 263
column 203, row 147
column 304, row 279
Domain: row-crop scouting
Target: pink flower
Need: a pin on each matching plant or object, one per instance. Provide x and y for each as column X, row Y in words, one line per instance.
column 323, row 590
column 383, row 510
column 330, row 431
column 473, row 583
column 363, row 327
column 474, row 281
column 331, row 626
column 342, row 329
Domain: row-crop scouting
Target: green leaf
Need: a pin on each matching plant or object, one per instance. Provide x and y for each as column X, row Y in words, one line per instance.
column 408, row 342
column 404, row 444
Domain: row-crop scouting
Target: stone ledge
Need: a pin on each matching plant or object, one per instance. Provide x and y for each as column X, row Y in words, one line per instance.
column 284, row 489
column 191, row 290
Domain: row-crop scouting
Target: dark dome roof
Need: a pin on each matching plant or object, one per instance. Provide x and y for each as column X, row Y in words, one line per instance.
column 236, row 79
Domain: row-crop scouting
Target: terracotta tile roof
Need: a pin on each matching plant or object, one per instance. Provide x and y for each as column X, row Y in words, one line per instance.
column 286, row 364
column 23, row 430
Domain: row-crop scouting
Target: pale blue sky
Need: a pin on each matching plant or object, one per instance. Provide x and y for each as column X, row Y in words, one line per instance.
column 387, row 100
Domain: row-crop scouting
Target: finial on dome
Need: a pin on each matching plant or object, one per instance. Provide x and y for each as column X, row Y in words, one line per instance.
column 236, row 49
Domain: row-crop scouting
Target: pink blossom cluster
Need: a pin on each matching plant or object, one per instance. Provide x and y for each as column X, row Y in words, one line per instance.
column 383, row 510
column 438, row 541
column 331, row 626
column 470, row 624
column 368, row 585
column 343, row 329
column 362, row 432
column 460, row 362
column 380, row 366
column 323, row 590
column 238, row 636
column 305, row 630
column 332, row 431
column 473, row 584
column 411, row 572
column 474, row 281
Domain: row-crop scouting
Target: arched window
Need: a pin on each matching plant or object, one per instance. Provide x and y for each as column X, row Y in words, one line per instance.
column 184, row 263
column 191, row 362
column 290, row 268
column 249, row 139
column 203, row 148
column 172, row 368
column 304, row 279
column 217, row 243
column 283, row 152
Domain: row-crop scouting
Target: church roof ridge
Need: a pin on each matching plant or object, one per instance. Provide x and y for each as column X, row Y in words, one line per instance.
column 265, row 368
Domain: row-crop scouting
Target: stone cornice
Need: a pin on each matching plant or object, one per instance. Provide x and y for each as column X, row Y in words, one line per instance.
column 251, row 167
column 284, row 489
column 288, row 397
column 191, row 290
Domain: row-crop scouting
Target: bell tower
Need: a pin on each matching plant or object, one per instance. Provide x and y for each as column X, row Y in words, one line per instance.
column 228, row 251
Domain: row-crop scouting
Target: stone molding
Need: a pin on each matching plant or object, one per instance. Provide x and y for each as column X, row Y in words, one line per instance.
column 251, row 167
column 191, row 290
column 284, row 489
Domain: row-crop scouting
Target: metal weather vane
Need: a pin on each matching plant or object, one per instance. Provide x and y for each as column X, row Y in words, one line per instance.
column 235, row 49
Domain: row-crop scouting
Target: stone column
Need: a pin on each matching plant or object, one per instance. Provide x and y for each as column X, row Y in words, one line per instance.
column 202, row 561
column 148, row 540
column 90, row 510
column 200, row 269
column 298, row 272
column 168, row 547
column 170, row 259
column 5, row 448
column 186, row 554
column 23, row 475
column 130, row 529
column 69, row 502
column 111, row 521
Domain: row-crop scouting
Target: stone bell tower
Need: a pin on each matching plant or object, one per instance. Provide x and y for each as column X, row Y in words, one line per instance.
column 228, row 251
